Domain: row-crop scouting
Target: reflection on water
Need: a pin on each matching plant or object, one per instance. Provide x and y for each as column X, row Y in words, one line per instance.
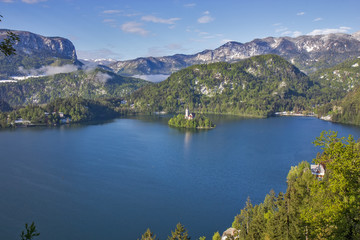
column 187, row 140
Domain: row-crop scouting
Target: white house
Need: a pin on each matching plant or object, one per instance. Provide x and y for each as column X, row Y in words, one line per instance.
column 318, row 170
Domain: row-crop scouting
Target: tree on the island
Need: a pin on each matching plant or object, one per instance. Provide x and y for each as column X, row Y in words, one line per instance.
column 180, row 233
column 216, row 236
column 148, row 235
column 6, row 46
column 202, row 238
column 30, row 232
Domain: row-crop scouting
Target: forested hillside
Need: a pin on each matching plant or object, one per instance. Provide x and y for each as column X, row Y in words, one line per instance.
column 91, row 84
column 340, row 83
column 337, row 81
column 258, row 86
column 73, row 109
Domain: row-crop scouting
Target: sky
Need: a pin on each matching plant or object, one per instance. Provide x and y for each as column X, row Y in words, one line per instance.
column 127, row 29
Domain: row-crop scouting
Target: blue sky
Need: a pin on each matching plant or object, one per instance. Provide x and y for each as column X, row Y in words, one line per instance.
column 126, row 29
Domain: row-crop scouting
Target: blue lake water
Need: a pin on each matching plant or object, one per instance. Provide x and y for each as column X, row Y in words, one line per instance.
column 114, row 180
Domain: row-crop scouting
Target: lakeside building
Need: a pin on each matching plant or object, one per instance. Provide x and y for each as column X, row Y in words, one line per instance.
column 318, row 170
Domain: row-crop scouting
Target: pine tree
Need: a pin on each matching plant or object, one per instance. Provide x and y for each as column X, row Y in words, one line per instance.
column 148, row 235
column 180, row 233
column 31, row 232
column 216, row 236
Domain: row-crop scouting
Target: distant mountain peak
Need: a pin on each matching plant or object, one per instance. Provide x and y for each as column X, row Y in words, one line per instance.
column 38, row 51
column 308, row 53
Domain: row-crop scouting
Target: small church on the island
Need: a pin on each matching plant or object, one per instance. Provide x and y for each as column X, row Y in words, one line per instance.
column 189, row 116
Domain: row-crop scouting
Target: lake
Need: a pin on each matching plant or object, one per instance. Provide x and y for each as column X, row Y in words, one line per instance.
column 113, row 180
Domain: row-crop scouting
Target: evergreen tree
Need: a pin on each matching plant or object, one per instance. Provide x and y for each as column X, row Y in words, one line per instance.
column 216, row 236
column 180, row 233
column 7, row 45
column 148, row 235
column 30, row 232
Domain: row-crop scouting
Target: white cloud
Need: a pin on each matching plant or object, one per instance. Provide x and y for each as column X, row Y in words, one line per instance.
column 48, row 70
column 7, row 1
column 111, row 11
column 317, row 19
column 329, row 30
column 102, row 77
column 190, row 5
column 286, row 33
column 296, row 33
column 134, row 27
column 206, row 18
column 300, row 13
column 33, row 1
column 291, row 33
column 281, row 29
column 150, row 18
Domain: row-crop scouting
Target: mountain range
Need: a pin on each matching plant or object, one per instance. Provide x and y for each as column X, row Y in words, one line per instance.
column 300, row 73
column 308, row 53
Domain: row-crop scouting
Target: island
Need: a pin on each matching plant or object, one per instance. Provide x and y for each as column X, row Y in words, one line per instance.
column 191, row 120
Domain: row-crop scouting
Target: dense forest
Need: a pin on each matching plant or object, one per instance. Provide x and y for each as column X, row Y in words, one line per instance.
column 72, row 109
column 199, row 122
column 258, row 87
column 89, row 84
column 343, row 82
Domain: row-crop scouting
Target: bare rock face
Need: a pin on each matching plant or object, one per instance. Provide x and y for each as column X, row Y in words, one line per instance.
column 308, row 53
column 33, row 52
column 34, row 44
column 229, row 233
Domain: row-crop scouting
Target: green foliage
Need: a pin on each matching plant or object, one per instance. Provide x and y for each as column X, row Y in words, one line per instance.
column 348, row 109
column 338, row 80
column 86, row 84
column 74, row 108
column 338, row 214
column 180, row 233
column 340, row 91
column 6, row 45
column 216, row 236
column 201, row 122
column 310, row 208
column 256, row 87
column 148, row 235
column 30, row 232
column 4, row 106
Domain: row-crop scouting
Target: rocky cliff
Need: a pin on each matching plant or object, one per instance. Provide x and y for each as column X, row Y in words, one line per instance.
column 34, row 51
column 31, row 43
